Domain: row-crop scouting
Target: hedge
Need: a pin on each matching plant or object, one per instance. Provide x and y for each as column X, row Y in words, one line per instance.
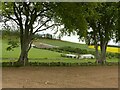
column 15, row 64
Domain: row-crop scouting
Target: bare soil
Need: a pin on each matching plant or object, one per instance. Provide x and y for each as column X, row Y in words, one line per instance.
column 60, row 77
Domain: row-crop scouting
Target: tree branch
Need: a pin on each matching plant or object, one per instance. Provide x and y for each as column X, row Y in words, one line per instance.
column 39, row 14
column 12, row 19
column 38, row 22
column 16, row 9
column 44, row 23
column 30, row 44
column 46, row 28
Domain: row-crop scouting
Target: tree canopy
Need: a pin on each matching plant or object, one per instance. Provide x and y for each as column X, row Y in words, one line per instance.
column 72, row 16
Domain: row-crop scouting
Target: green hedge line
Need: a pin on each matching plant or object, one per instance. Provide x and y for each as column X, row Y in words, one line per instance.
column 15, row 64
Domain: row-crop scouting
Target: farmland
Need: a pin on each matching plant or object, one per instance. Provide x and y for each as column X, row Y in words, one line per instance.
column 110, row 49
column 42, row 55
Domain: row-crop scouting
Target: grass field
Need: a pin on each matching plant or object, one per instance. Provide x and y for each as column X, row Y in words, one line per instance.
column 63, row 43
column 40, row 55
column 34, row 53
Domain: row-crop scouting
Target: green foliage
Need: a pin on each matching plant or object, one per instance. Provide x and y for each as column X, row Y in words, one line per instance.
column 72, row 16
column 63, row 64
column 112, row 55
column 117, row 33
column 103, row 20
column 74, row 50
column 7, row 8
column 12, row 44
column 11, row 64
column 10, row 33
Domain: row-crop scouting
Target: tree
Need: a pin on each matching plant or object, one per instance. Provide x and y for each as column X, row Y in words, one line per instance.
column 118, row 26
column 103, row 20
column 74, row 17
column 101, row 17
column 31, row 17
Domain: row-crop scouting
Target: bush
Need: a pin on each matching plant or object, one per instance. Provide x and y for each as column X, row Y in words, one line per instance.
column 11, row 64
column 112, row 55
column 6, row 33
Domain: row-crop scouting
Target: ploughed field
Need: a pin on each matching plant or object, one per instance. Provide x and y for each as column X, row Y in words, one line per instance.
column 60, row 77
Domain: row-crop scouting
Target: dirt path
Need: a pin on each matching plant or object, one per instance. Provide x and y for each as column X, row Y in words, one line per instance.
column 60, row 77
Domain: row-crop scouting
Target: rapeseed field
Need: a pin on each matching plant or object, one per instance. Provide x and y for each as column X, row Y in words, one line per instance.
column 109, row 49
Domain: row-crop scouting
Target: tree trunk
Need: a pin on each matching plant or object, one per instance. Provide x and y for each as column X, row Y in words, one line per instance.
column 97, row 53
column 96, row 49
column 23, row 58
column 103, row 52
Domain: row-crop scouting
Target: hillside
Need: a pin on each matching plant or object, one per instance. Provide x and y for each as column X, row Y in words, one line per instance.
column 39, row 53
column 34, row 53
column 61, row 43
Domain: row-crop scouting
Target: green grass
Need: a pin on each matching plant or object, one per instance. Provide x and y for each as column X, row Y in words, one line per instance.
column 39, row 53
column 63, row 43
column 46, row 55
column 33, row 53
column 69, row 60
column 9, row 54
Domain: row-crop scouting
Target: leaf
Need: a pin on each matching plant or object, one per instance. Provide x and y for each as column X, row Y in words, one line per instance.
column 12, row 44
column 9, row 48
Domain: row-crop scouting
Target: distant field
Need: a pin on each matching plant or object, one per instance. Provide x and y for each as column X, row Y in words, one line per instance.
column 63, row 43
column 110, row 49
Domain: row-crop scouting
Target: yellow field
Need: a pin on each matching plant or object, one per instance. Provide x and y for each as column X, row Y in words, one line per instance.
column 109, row 49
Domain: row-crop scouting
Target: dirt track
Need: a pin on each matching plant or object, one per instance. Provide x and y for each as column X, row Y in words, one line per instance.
column 61, row 77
